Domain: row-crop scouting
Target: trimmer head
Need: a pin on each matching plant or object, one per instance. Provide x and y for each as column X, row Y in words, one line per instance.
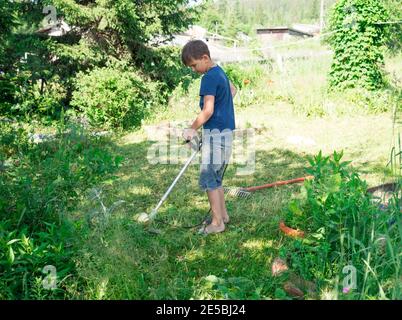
column 144, row 217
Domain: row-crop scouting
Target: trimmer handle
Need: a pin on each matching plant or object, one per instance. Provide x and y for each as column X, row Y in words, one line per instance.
column 195, row 143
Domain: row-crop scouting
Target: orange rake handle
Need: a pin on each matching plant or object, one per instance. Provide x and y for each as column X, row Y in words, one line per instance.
column 278, row 183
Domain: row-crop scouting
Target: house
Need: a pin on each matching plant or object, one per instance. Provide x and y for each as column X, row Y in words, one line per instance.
column 268, row 35
column 307, row 28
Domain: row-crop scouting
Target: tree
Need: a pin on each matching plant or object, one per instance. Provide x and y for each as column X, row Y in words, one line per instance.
column 123, row 33
column 7, row 23
column 394, row 38
column 357, row 42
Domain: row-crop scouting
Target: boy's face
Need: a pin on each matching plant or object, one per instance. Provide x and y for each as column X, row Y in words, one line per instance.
column 200, row 65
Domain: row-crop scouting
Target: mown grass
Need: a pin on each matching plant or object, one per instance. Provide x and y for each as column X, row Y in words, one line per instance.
column 131, row 262
column 115, row 257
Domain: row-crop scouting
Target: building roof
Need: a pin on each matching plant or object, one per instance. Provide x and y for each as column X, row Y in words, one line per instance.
column 276, row 30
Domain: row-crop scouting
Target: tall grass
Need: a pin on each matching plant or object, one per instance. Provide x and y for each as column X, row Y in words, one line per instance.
column 40, row 183
column 302, row 84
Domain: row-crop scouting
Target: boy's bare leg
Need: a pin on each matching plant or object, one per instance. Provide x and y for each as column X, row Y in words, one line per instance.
column 224, row 212
column 217, row 224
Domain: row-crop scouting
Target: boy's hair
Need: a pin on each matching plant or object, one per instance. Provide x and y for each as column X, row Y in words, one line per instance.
column 194, row 49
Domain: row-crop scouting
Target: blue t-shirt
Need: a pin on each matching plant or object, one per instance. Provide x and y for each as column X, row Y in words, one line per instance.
column 216, row 83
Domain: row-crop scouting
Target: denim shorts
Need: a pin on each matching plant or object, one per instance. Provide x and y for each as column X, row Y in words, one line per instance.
column 215, row 154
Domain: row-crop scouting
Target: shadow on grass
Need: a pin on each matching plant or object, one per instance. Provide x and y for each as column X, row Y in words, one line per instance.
column 172, row 263
column 133, row 261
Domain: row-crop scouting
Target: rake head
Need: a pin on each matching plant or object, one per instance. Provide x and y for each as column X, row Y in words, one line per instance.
column 237, row 192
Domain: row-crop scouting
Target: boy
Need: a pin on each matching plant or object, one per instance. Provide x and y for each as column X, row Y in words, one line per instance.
column 218, row 120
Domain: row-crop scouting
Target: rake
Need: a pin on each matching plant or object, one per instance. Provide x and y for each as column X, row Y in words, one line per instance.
column 246, row 192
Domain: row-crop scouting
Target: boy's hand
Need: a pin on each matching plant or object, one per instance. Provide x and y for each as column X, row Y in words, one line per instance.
column 189, row 134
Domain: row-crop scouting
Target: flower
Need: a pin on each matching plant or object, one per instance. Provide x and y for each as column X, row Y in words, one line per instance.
column 346, row 290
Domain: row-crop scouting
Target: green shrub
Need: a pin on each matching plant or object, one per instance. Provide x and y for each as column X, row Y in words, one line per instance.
column 23, row 98
column 344, row 226
column 40, row 185
column 164, row 65
column 13, row 140
column 113, row 98
column 24, row 256
column 246, row 79
column 244, row 76
column 358, row 44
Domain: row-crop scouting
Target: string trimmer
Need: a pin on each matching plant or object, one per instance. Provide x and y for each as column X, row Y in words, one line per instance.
column 144, row 217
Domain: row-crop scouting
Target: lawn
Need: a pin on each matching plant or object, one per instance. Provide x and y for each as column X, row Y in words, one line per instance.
column 86, row 191
column 169, row 260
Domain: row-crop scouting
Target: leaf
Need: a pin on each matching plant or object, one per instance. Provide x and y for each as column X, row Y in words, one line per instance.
column 280, row 293
column 212, row 279
column 294, row 208
column 13, row 241
column 11, row 255
column 333, row 183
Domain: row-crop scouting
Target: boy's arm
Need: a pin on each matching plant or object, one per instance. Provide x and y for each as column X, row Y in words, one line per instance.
column 202, row 117
column 205, row 113
column 233, row 89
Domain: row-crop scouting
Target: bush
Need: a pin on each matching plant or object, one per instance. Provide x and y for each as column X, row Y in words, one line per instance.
column 344, row 226
column 41, row 183
column 164, row 65
column 114, row 98
column 246, row 79
column 13, row 140
column 244, row 76
column 357, row 42
column 23, row 98
column 24, row 258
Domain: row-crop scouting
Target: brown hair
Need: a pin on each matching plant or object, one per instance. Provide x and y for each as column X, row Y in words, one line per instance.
column 194, row 49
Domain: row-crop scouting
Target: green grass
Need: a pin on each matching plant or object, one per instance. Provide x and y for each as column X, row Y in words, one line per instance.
column 129, row 262
column 118, row 258
column 126, row 260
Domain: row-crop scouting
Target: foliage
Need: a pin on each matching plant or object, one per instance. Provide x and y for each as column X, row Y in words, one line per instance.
column 7, row 22
column 229, row 18
column 358, row 43
column 40, row 182
column 13, row 140
column 24, row 256
column 164, row 65
column 114, row 98
column 394, row 37
column 344, row 226
column 246, row 79
column 37, row 185
column 38, row 71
